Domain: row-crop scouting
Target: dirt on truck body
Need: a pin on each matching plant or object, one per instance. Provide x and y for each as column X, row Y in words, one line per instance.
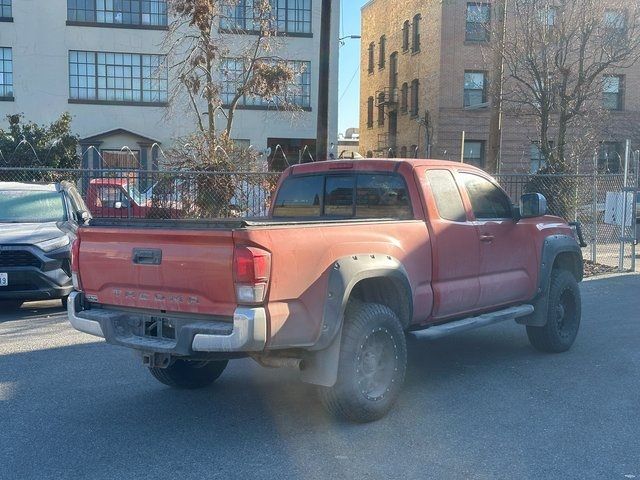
column 352, row 256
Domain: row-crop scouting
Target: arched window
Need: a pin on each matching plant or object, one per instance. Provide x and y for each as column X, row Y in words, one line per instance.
column 403, row 152
column 404, row 98
column 372, row 47
column 415, row 37
column 415, row 97
column 381, row 109
column 382, row 52
column 370, row 112
column 405, row 35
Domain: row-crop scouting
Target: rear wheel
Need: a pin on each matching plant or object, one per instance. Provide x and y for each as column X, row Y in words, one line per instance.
column 189, row 375
column 10, row 304
column 563, row 315
column 373, row 361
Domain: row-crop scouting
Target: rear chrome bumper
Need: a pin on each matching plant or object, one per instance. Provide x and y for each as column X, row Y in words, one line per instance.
column 247, row 334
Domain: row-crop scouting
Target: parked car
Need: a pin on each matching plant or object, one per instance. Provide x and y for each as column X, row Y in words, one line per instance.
column 353, row 255
column 37, row 226
column 117, row 198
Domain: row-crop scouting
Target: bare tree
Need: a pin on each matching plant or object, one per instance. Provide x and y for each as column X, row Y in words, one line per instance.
column 557, row 56
column 219, row 60
column 203, row 60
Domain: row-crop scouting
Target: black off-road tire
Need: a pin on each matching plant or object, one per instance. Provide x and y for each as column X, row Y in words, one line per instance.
column 189, row 375
column 10, row 305
column 563, row 315
column 373, row 362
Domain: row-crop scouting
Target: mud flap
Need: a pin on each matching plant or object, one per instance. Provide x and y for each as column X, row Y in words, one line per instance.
column 321, row 367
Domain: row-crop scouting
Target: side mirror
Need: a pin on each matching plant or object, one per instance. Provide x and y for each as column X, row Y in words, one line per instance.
column 533, row 205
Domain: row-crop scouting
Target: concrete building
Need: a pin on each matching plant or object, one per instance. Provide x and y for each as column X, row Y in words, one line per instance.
column 424, row 88
column 104, row 62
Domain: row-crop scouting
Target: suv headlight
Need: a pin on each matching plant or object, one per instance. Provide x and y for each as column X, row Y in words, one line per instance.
column 53, row 244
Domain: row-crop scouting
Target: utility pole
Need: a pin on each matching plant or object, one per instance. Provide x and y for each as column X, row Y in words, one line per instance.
column 323, row 81
column 496, row 89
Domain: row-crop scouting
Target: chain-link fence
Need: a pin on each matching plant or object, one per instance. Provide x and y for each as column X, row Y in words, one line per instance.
column 596, row 201
column 186, row 194
column 161, row 194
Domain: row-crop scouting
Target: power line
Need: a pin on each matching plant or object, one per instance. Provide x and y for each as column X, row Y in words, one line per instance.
column 346, row 90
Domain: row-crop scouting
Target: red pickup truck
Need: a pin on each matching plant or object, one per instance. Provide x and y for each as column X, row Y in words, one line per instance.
column 353, row 255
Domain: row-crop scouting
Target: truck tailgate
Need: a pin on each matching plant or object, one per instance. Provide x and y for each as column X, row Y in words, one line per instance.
column 188, row 271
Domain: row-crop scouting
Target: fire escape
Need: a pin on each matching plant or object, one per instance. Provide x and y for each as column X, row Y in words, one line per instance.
column 387, row 99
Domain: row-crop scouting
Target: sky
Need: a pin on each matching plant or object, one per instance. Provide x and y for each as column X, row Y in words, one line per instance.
column 349, row 86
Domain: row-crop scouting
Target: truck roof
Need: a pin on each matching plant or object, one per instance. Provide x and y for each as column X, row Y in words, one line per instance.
column 379, row 164
column 36, row 187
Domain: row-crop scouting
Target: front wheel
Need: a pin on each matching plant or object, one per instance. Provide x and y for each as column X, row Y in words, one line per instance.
column 563, row 315
column 189, row 375
column 373, row 362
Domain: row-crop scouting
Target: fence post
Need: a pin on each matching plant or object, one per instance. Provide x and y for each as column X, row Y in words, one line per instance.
column 594, row 214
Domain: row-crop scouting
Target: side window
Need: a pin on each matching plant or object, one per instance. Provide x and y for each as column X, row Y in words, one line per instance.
column 382, row 196
column 487, row 200
column 447, row 196
column 338, row 196
column 299, row 197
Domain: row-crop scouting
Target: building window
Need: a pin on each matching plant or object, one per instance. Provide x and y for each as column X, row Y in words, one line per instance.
column 372, row 48
column 538, row 159
column 478, row 22
column 288, row 16
column 393, row 76
column 404, row 98
column 415, row 36
column 6, row 74
column 149, row 13
column 5, row 9
column 405, row 35
column 403, row 152
column 415, row 97
column 118, row 77
column 474, row 153
column 615, row 20
column 613, row 92
column 370, row 112
column 381, row 109
column 475, row 89
column 610, row 157
column 548, row 15
column 382, row 52
column 297, row 94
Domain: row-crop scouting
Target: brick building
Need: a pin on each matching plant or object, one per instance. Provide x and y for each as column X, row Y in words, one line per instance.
column 425, row 71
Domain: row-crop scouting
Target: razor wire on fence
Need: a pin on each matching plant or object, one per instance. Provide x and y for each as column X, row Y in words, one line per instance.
column 596, row 201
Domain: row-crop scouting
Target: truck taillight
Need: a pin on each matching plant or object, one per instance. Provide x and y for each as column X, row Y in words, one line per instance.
column 251, row 271
column 75, row 264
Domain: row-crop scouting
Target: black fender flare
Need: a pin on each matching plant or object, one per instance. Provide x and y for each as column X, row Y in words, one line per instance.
column 553, row 247
column 320, row 366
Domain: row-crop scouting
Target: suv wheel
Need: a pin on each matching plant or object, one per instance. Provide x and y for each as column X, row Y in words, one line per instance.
column 189, row 375
column 373, row 362
column 563, row 315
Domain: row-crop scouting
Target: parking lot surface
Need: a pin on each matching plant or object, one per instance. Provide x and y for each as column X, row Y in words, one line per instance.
column 479, row 405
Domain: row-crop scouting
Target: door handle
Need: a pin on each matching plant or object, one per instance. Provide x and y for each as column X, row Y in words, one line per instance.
column 486, row 238
column 147, row 256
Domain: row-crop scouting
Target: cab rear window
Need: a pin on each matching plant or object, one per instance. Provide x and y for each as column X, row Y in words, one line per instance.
column 344, row 196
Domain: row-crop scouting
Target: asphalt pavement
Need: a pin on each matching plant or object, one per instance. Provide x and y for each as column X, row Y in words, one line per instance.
column 480, row 405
